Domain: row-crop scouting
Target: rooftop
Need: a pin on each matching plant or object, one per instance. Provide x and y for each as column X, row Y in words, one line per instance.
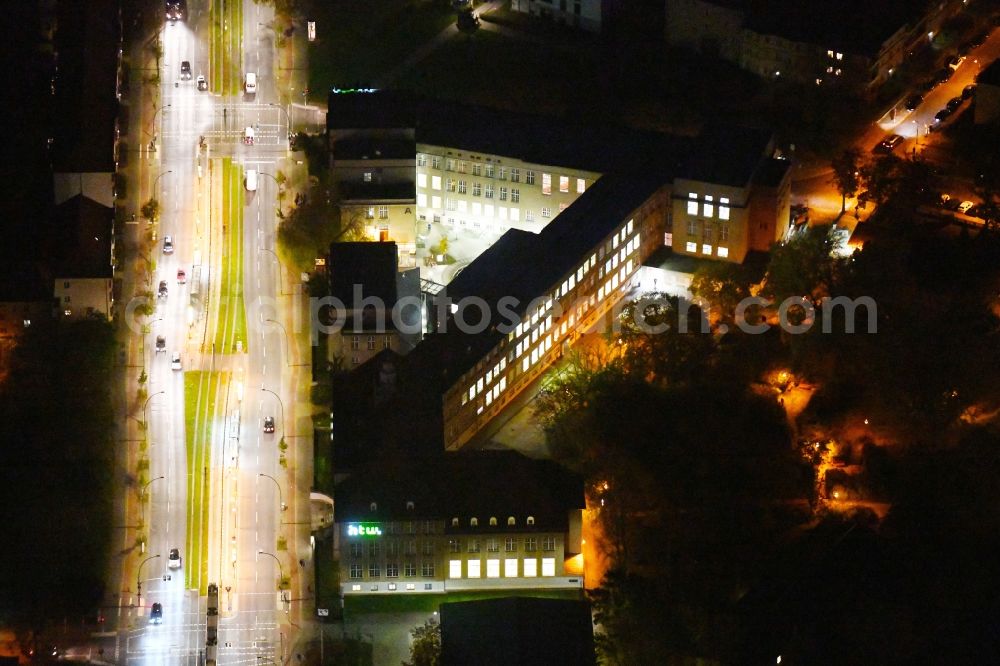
column 726, row 155
column 81, row 248
column 87, row 43
column 376, row 192
column 481, row 484
column 370, row 265
column 991, row 75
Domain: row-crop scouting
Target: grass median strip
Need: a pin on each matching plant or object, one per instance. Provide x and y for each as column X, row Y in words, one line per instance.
column 202, row 391
column 231, row 321
column 226, row 45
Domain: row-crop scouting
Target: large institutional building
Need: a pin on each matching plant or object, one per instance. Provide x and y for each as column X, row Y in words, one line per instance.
column 581, row 209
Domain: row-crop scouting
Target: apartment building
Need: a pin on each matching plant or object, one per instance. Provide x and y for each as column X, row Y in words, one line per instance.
column 987, row 94
column 850, row 43
column 583, row 14
column 725, row 210
column 487, row 520
column 382, row 307
column 81, row 252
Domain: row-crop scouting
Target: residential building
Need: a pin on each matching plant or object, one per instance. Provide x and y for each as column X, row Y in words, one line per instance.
column 517, row 630
column 583, row 14
column 623, row 195
column 987, row 95
column 381, row 304
column 723, row 210
column 485, row 520
column 810, row 42
column 81, row 253
column 84, row 148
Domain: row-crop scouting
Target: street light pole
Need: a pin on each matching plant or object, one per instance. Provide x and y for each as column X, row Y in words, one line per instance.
column 288, row 120
column 144, row 423
column 281, row 501
column 281, row 569
column 156, row 113
column 157, row 181
column 282, row 409
column 275, row 179
column 138, row 577
column 142, row 498
column 288, row 348
column 281, row 287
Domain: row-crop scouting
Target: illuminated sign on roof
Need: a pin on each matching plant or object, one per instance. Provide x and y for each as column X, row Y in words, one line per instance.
column 347, row 91
column 364, row 530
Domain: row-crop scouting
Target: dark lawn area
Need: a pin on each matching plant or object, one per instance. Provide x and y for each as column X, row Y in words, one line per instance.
column 358, row 41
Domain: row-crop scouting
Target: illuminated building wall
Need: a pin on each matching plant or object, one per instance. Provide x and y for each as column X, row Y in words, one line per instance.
column 493, row 193
column 583, row 295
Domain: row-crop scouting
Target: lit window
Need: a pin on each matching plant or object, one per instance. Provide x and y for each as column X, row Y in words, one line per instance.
column 474, row 522
column 564, row 183
column 454, row 568
column 422, row 200
column 510, row 521
column 829, row 54
column 515, row 214
column 421, row 180
column 368, row 176
column 840, row 56
column 510, row 568
column 723, row 252
column 692, row 204
column 708, row 208
column 436, row 183
column 546, row 183
column 409, row 587
column 723, row 208
column 370, row 213
column 493, row 568
column 691, row 246
column 454, row 522
column 548, row 566
column 706, row 248
column 581, row 185
column 436, row 202
column 531, row 520
column 530, row 568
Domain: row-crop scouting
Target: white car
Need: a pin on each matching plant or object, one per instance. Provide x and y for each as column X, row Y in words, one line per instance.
column 168, row 245
column 248, row 135
column 175, row 361
column 250, row 83
column 251, row 180
column 965, row 206
column 174, row 559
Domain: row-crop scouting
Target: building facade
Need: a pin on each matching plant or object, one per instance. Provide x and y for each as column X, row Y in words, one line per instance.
column 584, row 14
column 478, row 521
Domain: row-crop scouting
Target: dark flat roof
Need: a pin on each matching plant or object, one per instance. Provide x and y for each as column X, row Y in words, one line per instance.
column 726, row 155
column 517, row 630
column 771, row 172
column 852, row 26
column 87, row 41
column 385, row 109
column 365, row 147
column 371, row 265
column 375, row 192
column 81, row 239
column 463, row 485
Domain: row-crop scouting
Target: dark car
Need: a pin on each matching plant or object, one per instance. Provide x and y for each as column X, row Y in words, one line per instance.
column 968, row 90
column 185, row 70
column 888, row 144
column 942, row 114
column 954, row 103
column 163, row 289
column 161, row 344
column 156, row 613
column 943, row 74
column 268, row 424
column 914, row 102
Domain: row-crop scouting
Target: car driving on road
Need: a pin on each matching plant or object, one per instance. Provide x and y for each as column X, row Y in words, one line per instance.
column 175, row 361
column 202, row 83
column 161, row 344
column 162, row 293
column 888, row 144
column 185, row 70
column 268, row 424
column 168, row 245
column 181, row 276
column 913, row 102
column 156, row 613
column 174, row 559
column 251, row 180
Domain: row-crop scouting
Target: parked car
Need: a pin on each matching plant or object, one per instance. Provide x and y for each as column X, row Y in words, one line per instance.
column 268, row 424
column 942, row 114
column 175, row 361
column 956, row 61
column 181, row 276
column 913, row 102
column 954, row 103
column 161, row 344
column 888, row 144
column 174, row 559
column 185, row 71
column 968, row 90
column 168, row 245
column 943, row 74
column 162, row 293
column 156, row 613
column 202, row 83
column 965, row 206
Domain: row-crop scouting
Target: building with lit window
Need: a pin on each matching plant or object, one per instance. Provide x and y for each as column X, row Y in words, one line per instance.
column 489, row 520
column 382, row 307
column 584, row 14
column 81, row 253
column 855, row 43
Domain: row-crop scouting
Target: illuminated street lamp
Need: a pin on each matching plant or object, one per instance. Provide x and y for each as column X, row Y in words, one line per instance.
column 275, row 557
column 138, row 577
column 144, row 407
column 281, row 501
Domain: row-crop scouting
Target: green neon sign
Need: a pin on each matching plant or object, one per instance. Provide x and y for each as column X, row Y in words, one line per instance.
column 364, row 530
